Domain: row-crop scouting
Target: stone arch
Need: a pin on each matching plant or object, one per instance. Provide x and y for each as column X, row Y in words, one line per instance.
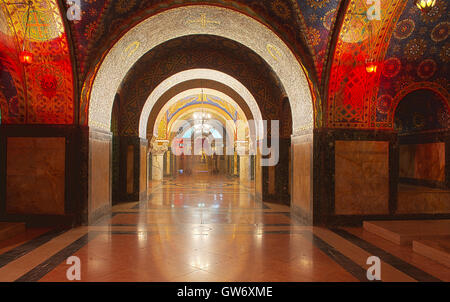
column 421, row 110
column 226, row 23
column 198, row 74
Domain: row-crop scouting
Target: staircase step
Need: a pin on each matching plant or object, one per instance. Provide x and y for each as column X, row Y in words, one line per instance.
column 403, row 232
column 437, row 249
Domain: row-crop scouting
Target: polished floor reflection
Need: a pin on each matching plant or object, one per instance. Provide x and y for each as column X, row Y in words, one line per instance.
column 208, row 228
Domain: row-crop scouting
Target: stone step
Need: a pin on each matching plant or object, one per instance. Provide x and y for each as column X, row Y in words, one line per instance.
column 437, row 249
column 403, row 232
column 11, row 229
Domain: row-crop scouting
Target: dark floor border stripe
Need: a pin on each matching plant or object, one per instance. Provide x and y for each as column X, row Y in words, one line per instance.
column 346, row 263
column 50, row 264
column 390, row 259
column 29, row 246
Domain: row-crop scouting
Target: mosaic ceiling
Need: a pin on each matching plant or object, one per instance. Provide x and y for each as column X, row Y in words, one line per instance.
column 191, row 52
column 40, row 92
column 333, row 37
column 174, row 111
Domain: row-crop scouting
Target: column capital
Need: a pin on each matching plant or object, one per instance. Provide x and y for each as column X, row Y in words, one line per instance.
column 159, row 147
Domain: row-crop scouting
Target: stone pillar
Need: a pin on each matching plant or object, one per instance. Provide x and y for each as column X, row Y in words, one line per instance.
column 157, row 166
column 242, row 149
column 244, row 168
column 157, row 149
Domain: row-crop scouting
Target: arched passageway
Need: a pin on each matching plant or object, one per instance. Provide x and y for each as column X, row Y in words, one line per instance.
column 258, row 76
column 223, row 141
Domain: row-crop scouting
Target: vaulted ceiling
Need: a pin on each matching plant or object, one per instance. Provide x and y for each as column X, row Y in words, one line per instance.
column 333, row 38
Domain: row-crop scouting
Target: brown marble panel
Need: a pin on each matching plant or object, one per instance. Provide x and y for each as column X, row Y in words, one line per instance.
column 35, row 178
column 272, row 181
column 301, row 176
column 423, row 161
column 143, row 171
column 407, row 161
column 361, row 177
column 100, row 175
column 430, row 162
column 422, row 200
column 130, row 169
column 258, row 177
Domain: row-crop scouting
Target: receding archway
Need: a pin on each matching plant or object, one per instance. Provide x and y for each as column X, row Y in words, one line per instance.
column 229, row 24
column 232, row 25
column 245, row 98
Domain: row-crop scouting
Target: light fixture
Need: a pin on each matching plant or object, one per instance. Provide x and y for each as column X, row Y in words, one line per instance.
column 26, row 57
column 425, row 5
column 371, row 66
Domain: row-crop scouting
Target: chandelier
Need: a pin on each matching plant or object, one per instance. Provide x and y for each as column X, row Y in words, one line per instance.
column 425, row 5
column 200, row 119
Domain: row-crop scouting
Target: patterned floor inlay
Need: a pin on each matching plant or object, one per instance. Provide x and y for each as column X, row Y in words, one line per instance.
column 189, row 231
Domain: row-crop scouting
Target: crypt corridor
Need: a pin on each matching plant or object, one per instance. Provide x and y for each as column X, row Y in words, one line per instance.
column 274, row 140
column 208, row 229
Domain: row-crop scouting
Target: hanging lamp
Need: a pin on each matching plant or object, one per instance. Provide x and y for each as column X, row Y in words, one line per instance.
column 26, row 57
column 425, row 5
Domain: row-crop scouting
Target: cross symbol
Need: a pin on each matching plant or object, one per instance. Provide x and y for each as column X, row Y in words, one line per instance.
column 203, row 21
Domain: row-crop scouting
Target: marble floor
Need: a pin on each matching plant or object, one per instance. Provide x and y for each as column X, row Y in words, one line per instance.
column 208, row 228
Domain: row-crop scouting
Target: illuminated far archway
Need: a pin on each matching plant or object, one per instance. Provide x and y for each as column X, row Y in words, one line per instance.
column 187, row 20
column 218, row 121
column 198, row 74
column 197, row 91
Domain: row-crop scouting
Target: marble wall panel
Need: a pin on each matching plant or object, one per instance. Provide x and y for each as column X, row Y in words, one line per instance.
column 130, row 169
column 35, row 177
column 361, row 177
column 99, row 176
column 430, row 161
column 422, row 200
column 143, row 169
column 258, row 177
column 423, row 161
column 301, row 177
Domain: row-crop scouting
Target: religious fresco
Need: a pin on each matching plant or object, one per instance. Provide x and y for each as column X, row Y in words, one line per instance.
column 362, row 100
column 319, row 17
column 44, row 86
column 353, row 91
column 168, row 115
column 418, row 56
column 11, row 75
column 410, row 47
column 104, row 21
